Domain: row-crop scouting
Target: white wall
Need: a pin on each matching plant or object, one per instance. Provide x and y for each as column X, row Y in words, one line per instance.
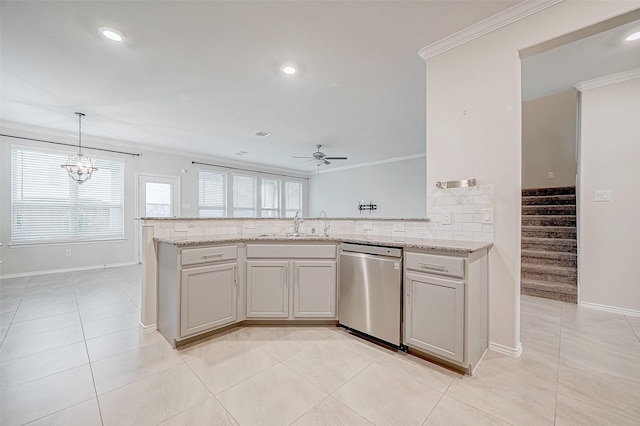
column 609, row 233
column 549, row 140
column 474, row 131
column 22, row 259
column 398, row 188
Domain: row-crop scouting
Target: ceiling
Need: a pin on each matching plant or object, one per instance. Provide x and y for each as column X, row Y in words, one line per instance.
column 560, row 69
column 203, row 76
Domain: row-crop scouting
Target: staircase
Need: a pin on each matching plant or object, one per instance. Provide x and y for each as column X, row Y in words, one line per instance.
column 549, row 245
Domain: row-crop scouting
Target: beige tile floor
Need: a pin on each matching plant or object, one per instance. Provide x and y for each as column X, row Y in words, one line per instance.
column 72, row 355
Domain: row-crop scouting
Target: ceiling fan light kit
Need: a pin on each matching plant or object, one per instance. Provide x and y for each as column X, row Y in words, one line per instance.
column 321, row 158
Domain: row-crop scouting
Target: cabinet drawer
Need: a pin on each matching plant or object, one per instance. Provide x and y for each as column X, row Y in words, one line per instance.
column 194, row 256
column 436, row 264
column 291, row 251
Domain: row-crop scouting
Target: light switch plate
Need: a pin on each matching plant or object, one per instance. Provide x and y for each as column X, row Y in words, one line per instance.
column 446, row 217
column 603, row 195
column 487, row 215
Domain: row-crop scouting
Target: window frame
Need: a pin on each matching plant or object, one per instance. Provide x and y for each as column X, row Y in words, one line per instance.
column 258, row 176
column 73, row 202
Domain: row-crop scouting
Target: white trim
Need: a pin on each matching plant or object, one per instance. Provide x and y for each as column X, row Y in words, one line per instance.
column 608, row 80
column 612, row 309
column 56, row 271
column 372, row 163
column 493, row 23
column 147, row 328
column 505, row 350
column 26, row 130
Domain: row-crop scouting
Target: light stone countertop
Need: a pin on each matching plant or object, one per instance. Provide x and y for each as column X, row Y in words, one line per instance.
column 451, row 246
column 397, row 219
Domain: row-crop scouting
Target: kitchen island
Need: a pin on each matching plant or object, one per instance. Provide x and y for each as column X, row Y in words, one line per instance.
column 207, row 283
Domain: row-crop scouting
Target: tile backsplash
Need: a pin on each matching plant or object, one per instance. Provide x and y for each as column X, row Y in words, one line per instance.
column 465, row 207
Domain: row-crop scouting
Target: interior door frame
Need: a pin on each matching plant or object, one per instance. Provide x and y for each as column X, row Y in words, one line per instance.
column 146, row 177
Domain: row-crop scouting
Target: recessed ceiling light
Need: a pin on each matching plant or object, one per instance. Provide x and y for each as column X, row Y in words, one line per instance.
column 289, row 70
column 634, row 36
column 111, row 33
column 262, row 134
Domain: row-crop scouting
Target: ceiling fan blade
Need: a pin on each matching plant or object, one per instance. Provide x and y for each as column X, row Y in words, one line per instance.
column 335, row 158
column 326, row 162
column 297, row 156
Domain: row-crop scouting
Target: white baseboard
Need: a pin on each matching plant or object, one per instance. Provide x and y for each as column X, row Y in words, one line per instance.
column 57, row 271
column 147, row 328
column 505, row 350
column 612, row 309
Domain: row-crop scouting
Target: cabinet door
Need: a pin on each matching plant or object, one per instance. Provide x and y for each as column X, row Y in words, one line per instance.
column 267, row 289
column 314, row 289
column 207, row 298
column 434, row 315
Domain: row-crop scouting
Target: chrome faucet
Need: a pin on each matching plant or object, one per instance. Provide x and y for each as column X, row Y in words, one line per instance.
column 326, row 225
column 297, row 220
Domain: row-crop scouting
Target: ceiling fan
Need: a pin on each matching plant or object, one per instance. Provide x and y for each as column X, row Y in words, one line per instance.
column 321, row 158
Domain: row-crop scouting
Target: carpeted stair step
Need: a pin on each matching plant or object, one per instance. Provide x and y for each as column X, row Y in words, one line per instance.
column 532, row 257
column 549, row 220
column 550, row 244
column 548, row 273
column 548, row 290
column 564, row 190
column 563, row 232
column 563, row 210
column 549, row 200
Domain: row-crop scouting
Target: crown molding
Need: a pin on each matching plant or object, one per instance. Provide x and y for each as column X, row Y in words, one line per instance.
column 493, row 23
column 26, row 130
column 608, row 80
column 371, row 163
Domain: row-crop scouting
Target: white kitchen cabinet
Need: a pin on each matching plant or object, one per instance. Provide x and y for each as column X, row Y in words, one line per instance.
column 207, row 298
column 446, row 306
column 267, row 289
column 198, row 289
column 434, row 315
column 291, row 281
column 314, row 289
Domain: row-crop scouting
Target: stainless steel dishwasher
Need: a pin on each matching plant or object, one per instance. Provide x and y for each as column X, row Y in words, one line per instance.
column 371, row 291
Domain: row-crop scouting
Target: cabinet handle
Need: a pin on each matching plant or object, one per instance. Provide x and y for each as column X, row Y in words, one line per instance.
column 212, row 255
column 432, row 266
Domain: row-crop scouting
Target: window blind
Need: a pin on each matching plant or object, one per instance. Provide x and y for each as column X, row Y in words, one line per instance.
column 244, row 196
column 270, row 195
column 47, row 206
column 293, row 198
column 212, row 188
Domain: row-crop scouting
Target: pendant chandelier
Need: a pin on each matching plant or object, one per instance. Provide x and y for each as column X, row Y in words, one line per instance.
column 79, row 166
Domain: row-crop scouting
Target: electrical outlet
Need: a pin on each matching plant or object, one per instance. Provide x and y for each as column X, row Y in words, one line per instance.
column 550, row 175
column 446, row 217
column 487, row 215
column 67, row 253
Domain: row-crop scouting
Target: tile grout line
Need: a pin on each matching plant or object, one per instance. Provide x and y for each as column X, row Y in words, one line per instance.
column 208, row 390
column 632, row 329
column 86, row 348
column 555, row 409
column 14, row 313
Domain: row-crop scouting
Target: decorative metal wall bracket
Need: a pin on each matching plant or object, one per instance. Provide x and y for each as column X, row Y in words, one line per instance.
column 456, row 184
column 362, row 206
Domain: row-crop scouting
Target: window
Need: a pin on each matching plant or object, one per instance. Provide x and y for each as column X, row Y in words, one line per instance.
column 293, row 198
column 227, row 194
column 244, row 196
column 47, row 206
column 270, row 197
column 212, row 194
